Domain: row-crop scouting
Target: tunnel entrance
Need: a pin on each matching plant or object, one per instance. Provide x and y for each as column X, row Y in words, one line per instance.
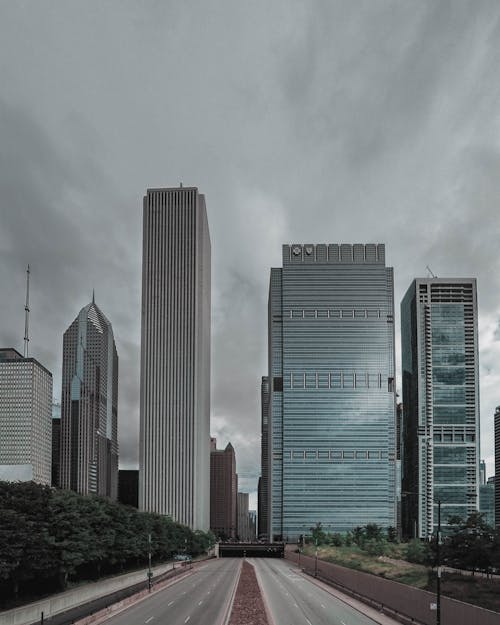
column 251, row 550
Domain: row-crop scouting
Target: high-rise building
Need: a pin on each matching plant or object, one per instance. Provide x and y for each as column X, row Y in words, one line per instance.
column 128, row 487
column 174, row 464
column 89, row 406
column 263, row 492
column 332, row 410
column 440, row 403
column 223, row 490
column 497, row 466
column 25, row 419
column 482, row 473
column 56, row 444
column 243, row 519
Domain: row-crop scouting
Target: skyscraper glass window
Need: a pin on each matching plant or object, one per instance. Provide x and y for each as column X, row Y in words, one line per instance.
column 440, row 402
column 332, row 407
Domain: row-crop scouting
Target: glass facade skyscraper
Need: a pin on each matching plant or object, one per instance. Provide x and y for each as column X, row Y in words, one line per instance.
column 89, row 406
column 440, row 403
column 332, row 410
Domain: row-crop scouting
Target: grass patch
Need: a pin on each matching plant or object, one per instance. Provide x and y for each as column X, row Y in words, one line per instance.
column 477, row 590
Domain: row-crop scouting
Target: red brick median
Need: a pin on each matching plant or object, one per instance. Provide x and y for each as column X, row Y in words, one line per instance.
column 248, row 606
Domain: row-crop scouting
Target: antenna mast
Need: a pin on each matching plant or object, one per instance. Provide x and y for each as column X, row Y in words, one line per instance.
column 431, row 272
column 27, row 313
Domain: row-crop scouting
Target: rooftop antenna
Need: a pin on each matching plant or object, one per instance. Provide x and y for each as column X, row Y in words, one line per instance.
column 27, row 313
column 93, row 296
column 180, row 185
column 430, row 271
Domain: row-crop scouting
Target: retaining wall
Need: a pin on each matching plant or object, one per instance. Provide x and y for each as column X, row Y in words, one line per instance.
column 405, row 603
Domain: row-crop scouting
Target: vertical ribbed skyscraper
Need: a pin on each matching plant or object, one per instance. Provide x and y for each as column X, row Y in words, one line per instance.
column 332, row 413
column 89, row 406
column 174, row 464
column 440, row 457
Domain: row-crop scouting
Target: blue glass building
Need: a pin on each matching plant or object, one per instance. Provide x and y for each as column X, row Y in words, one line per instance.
column 440, row 403
column 331, row 395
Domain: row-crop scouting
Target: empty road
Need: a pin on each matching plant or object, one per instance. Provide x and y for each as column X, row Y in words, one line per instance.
column 201, row 598
column 293, row 599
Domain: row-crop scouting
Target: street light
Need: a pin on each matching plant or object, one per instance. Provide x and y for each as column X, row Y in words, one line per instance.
column 150, row 573
column 438, row 564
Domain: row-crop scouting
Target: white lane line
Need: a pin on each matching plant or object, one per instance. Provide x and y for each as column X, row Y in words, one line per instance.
column 149, row 619
column 310, row 621
column 190, row 617
column 295, row 605
column 169, row 604
column 200, row 602
column 323, row 607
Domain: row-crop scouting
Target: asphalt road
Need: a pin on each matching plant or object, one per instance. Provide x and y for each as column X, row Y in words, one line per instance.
column 293, row 599
column 201, row 598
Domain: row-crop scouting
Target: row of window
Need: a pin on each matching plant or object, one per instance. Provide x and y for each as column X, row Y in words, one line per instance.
column 335, row 313
column 330, row 454
column 334, row 379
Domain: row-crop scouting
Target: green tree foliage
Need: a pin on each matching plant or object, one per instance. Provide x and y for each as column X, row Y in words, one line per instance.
column 473, row 544
column 59, row 536
column 418, row 551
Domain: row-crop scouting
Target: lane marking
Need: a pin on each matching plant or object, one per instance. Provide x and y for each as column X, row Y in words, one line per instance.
column 200, row 602
column 310, row 621
column 149, row 619
column 323, row 607
column 295, row 605
column 190, row 617
column 168, row 605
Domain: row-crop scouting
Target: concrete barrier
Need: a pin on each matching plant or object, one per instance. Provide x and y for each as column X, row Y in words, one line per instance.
column 31, row 613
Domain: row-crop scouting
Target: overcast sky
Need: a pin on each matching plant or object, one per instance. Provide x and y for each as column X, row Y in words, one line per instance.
column 328, row 121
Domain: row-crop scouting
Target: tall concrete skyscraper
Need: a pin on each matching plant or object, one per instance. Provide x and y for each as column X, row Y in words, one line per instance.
column 223, row 490
column 332, row 411
column 89, row 406
column 440, row 403
column 174, row 465
column 25, row 419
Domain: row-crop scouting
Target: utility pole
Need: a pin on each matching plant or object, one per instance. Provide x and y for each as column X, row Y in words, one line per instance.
column 150, row 573
column 438, row 564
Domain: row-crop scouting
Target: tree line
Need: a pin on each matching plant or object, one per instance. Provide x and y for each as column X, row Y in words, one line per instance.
column 469, row 544
column 50, row 537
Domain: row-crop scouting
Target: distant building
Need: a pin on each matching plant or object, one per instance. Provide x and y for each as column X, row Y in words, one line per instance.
column 25, row 419
column 174, row 460
column 332, row 408
column 252, row 525
column 56, row 443
column 89, row 406
column 497, row 465
column 223, row 490
column 441, row 402
column 263, row 485
column 128, row 487
column 487, row 502
column 243, row 529
column 482, row 473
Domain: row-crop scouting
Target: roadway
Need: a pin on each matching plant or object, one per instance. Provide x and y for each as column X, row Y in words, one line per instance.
column 200, row 598
column 293, row 599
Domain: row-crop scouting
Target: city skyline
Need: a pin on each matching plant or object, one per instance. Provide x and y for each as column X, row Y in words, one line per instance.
column 348, row 123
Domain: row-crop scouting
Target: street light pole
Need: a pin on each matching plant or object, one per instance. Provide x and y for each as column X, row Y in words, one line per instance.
column 438, row 563
column 150, row 574
column 316, row 561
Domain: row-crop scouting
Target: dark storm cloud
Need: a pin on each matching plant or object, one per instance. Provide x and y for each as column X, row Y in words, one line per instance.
column 324, row 122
